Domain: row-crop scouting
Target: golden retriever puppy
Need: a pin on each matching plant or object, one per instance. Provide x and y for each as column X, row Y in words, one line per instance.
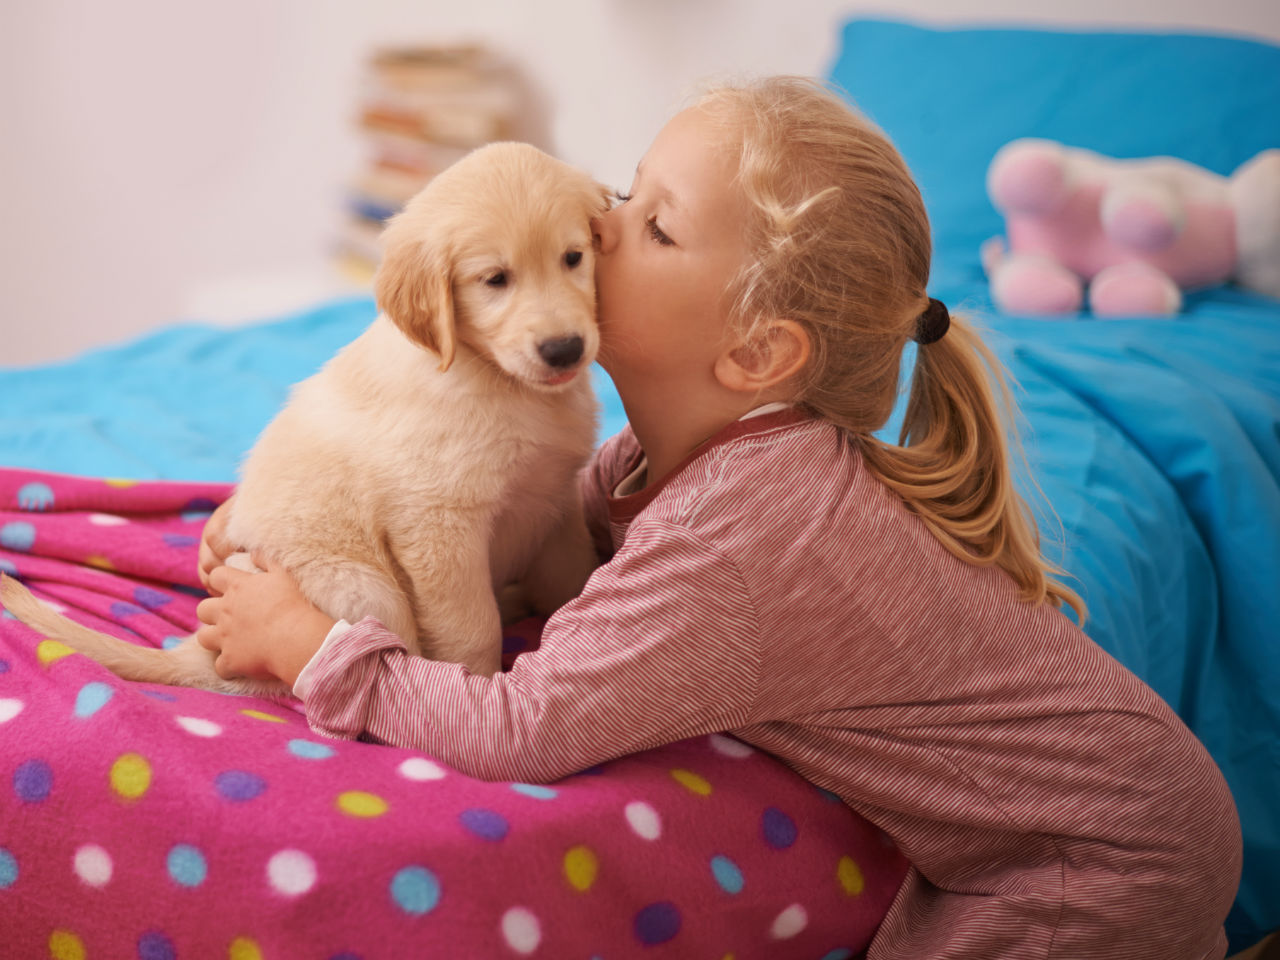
column 433, row 461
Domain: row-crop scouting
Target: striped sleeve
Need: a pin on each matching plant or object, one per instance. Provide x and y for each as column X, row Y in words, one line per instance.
column 662, row 644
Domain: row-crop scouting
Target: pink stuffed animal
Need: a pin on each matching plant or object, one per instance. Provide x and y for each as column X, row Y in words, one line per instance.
column 1139, row 232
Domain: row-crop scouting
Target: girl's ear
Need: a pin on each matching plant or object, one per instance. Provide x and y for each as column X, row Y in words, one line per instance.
column 767, row 359
column 414, row 287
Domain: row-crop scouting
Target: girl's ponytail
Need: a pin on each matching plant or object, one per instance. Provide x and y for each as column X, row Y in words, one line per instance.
column 951, row 465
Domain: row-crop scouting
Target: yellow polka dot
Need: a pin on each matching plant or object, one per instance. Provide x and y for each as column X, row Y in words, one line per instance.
column 850, row 875
column 242, row 948
column 99, row 561
column 259, row 715
column 51, row 651
column 64, row 945
column 580, row 866
column 691, row 782
column 119, row 482
column 357, row 803
column 130, row 776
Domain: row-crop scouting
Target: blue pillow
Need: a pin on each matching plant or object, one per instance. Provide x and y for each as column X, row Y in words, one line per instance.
column 949, row 98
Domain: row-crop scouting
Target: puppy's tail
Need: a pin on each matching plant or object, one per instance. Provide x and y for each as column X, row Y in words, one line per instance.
column 186, row 665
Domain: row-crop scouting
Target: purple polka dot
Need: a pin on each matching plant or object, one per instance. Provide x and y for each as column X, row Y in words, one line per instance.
column 484, row 823
column 156, row 946
column 32, row 781
column 657, row 923
column 180, row 541
column 779, row 829
column 160, row 695
column 239, row 786
column 120, row 609
column 4, row 666
column 200, row 505
column 346, row 955
column 149, row 598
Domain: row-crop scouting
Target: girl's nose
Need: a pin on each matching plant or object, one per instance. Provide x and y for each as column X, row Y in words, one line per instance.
column 603, row 233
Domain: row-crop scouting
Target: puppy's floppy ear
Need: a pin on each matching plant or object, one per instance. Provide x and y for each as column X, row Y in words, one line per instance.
column 414, row 287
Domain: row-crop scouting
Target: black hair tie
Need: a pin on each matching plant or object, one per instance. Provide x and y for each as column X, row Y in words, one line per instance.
column 933, row 323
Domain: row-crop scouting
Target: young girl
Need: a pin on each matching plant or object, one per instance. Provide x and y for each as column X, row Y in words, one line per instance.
column 877, row 616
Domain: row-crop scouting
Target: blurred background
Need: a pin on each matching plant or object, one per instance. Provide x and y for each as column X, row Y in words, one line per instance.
column 168, row 162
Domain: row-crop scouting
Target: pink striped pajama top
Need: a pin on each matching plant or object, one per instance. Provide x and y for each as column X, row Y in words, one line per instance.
column 1050, row 803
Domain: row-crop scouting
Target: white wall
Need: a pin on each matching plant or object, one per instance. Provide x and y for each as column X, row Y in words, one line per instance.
column 166, row 160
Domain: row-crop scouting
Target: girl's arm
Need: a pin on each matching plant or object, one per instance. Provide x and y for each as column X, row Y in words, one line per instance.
column 661, row 645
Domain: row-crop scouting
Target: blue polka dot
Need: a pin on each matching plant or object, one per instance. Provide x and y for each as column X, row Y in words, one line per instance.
column 180, row 540
column 18, row 535
column 535, row 791
column 35, row 496
column 189, row 590
column 150, row 598
column 727, row 874
column 169, row 642
column 308, row 750
column 8, row 869
column 484, row 823
column 120, row 609
column 154, row 945
column 779, row 829
column 239, row 786
column 33, row 781
column 657, row 923
column 198, row 509
column 840, row 953
column 187, row 865
column 8, row 567
column 830, row 797
column 415, row 890
column 92, row 698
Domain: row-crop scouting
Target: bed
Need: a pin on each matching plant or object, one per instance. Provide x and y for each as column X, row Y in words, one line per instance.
column 139, row 820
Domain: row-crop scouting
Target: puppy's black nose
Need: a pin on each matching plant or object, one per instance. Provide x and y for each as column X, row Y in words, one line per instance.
column 562, row 351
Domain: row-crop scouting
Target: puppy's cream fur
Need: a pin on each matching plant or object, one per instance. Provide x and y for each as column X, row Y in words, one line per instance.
column 433, row 461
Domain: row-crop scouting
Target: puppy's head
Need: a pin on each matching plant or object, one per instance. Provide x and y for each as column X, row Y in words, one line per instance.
column 496, row 253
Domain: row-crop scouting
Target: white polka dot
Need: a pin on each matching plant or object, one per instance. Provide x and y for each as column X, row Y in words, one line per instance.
column 521, row 930
column 291, row 872
column 789, row 922
column 106, row 519
column 93, row 865
column 9, row 709
column 729, row 746
column 644, row 820
column 420, row 768
column 201, row 728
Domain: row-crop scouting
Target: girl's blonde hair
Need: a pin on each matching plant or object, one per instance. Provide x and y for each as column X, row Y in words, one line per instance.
column 840, row 243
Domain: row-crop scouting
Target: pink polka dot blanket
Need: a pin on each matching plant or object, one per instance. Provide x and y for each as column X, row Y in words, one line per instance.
column 151, row 822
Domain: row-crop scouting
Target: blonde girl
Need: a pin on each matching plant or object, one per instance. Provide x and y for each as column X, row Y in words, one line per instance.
column 878, row 616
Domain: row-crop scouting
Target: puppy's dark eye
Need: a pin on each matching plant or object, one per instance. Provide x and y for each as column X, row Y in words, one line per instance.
column 573, row 258
column 499, row 279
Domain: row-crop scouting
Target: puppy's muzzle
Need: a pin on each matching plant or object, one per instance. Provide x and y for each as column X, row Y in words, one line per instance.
column 561, row 353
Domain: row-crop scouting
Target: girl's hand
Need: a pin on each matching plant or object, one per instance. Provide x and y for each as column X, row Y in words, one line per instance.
column 260, row 624
column 214, row 545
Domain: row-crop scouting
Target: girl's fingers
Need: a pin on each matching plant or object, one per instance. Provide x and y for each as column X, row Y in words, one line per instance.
column 223, row 577
column 207, row 609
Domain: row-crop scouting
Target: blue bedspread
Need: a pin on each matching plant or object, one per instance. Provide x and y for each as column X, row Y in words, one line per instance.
column 1157, row 443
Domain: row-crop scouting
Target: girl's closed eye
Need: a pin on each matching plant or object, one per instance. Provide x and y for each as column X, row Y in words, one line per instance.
column 656, row 233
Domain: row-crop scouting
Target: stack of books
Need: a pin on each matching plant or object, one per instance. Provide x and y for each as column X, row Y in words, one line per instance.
column 422, row 108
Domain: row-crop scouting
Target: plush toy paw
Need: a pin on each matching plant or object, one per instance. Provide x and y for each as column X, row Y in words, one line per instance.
column 1134, row 290
column 1035, row 285
column 1146, row 217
